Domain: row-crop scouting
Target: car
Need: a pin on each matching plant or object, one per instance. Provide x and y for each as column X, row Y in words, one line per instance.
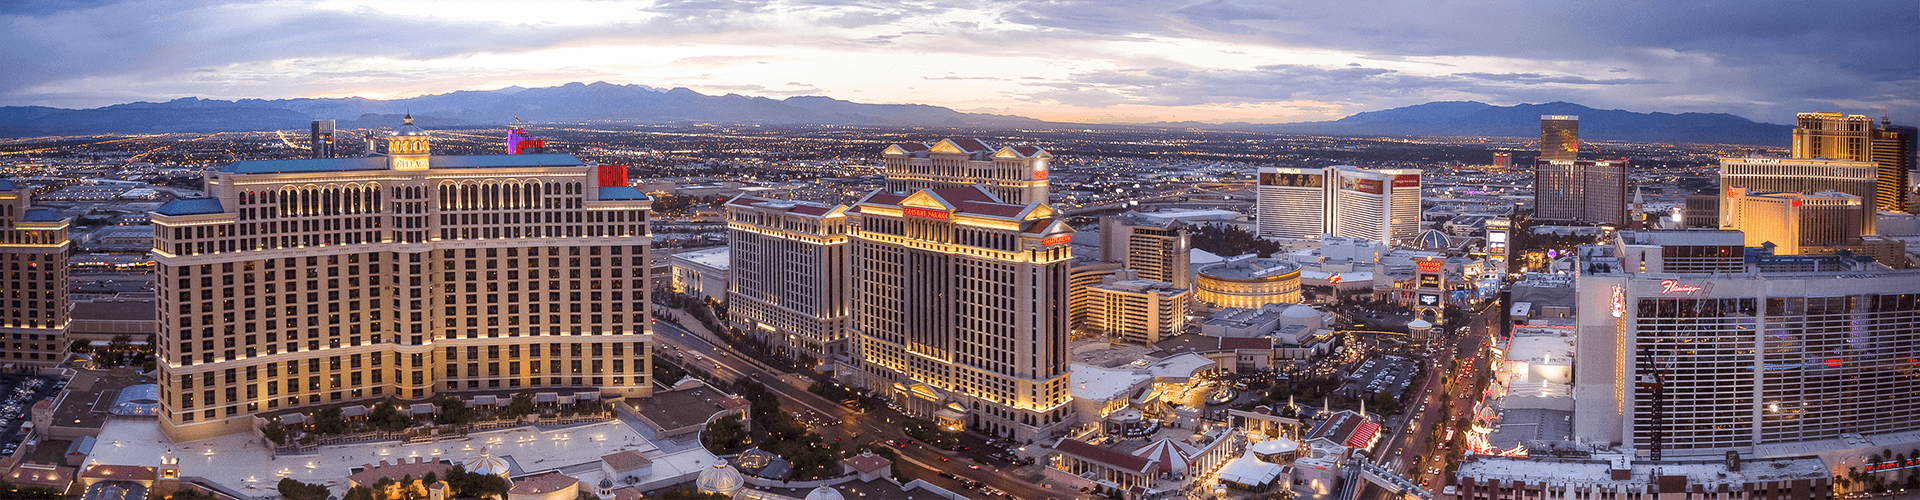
column 948, row 475
column 944, row 459
column 972, row 466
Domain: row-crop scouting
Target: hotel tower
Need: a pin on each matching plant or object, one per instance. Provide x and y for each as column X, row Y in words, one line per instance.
column 961, row 302
column 301, row 283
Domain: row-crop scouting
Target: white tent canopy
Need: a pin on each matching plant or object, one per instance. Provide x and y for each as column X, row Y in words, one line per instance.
column 1249, row 471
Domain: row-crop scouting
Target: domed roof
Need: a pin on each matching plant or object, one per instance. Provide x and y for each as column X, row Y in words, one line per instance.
column 825, row 493
column 1301, row 311
column 409, row 128
column 489, row 465
column 606, row 483
column 1419, row 323
column 1433, row 238
column 720, row 479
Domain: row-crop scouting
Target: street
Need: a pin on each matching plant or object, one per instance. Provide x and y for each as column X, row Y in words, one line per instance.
column 923, row 462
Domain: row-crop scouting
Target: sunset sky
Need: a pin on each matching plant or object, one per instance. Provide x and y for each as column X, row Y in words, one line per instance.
column 1062, row 60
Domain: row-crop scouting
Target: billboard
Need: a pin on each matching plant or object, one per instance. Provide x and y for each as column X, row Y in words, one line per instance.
column 1429, row 300
column 1369, row 186
column 1433, row 266
column 1400, row 181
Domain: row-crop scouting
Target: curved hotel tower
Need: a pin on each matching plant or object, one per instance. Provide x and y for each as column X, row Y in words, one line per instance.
column 301, row 283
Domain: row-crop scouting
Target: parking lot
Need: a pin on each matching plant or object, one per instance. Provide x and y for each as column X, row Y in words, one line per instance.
column 1384, row 374
column 18, row 393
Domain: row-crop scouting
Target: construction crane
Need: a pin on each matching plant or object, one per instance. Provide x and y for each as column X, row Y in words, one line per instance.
column 1654, row 379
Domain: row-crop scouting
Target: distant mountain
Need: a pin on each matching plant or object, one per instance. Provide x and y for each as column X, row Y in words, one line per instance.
column 1467, row 118
column 570, row 102
column 643, row 104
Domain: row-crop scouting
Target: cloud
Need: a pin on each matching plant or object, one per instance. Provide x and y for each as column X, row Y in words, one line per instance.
column 1536, row 79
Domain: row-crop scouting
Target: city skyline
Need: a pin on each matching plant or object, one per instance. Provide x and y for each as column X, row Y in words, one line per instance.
column 1103, row 63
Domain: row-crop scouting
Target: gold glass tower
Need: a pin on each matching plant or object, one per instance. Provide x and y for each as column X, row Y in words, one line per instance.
column 1559, row 137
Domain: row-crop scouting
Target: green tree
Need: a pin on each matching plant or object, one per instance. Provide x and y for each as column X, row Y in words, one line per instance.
column 386, row 417
column 191, row 494
column 725, row 434
column 454, row 411
column 360, row 493
column 274, row 432
column 295, row 490
column 521, row 405
column 327, row 420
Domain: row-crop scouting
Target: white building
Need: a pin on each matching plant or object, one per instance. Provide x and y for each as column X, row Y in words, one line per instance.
column 701, row 273
column 1304, row 203
column 790, row 280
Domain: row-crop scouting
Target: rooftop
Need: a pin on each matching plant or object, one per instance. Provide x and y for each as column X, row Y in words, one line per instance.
column 717, row 257
column 622, row 193
column 380, row 163
column 543, row 483
column 191, row 207
column 1686, row 237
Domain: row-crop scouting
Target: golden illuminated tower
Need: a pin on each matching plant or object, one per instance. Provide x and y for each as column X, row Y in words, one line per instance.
column 1833, row 136
column 1559, row 137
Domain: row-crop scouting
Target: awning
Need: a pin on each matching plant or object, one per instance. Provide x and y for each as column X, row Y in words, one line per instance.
column 1363, row 435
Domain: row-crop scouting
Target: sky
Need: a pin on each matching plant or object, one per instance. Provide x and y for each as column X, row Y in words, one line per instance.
column 1094, row 61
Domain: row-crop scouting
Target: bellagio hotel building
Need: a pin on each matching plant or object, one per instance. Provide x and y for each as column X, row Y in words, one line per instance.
column 302, row 283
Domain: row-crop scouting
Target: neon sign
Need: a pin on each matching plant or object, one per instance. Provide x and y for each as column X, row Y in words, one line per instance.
column 1675, row 286
column 926, row 213
column 1619, row 301
column 1892, row 465
column 1432, row 266
column 1055, row 240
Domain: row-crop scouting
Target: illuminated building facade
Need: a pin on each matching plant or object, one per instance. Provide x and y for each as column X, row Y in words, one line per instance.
column 302, row 283
column 1014, row 174
column 1343, row 201
column 35, row 312
column 961, row 308
column 791, row 286
column 1804, row 176
column 1832, row 136
column 1792, row 221
column 1783, row 356
column 1081, row 278
column 1137, row 310
column 1159, row 252
column 1591, row 191
column 1248, row 282
column 1893, row 149
column 1559, row 137
column 320, row 141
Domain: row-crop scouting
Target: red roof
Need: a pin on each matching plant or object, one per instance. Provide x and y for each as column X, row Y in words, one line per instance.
column 810, row 210
column 913, row 146
column 885, row 199
column 964, row 194
column 868, row 462
column 1093, row 453
column 1027, row 150
column 991, row 209
column 1245, row 343
column 744, row 200
column 1363, row 435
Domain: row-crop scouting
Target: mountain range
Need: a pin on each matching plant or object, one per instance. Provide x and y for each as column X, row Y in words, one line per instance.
column 576, row 102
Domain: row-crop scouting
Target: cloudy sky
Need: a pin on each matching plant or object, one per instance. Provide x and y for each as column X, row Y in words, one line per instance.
column 1065, row 60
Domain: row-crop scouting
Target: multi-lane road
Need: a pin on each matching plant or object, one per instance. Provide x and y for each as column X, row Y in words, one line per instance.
column 923, row 462
column 1408, row 442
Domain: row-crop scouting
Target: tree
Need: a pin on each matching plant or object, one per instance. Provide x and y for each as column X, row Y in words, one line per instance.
column 522, row 404
column 725, row 434
column 328, row 420
column 360, row 493
column 386, row 417
column 274, row 432
column 295, row 490
column 454, row 411
column 191, row 494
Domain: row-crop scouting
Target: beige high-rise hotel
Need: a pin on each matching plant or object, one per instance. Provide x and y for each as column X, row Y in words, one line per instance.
column 301, row 283
column 960, row 305
column 34, row 310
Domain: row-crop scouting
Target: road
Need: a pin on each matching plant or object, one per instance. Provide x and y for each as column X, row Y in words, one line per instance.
column 1412, row 437
column 862, row 428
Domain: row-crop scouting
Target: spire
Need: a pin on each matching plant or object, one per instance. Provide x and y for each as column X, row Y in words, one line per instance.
column 409, row 118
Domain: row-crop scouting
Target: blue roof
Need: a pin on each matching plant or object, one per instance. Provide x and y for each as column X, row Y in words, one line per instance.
column 191, row 207
column 6, row 185
column 622, row 193
column 380, row 163
column 42, row 215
